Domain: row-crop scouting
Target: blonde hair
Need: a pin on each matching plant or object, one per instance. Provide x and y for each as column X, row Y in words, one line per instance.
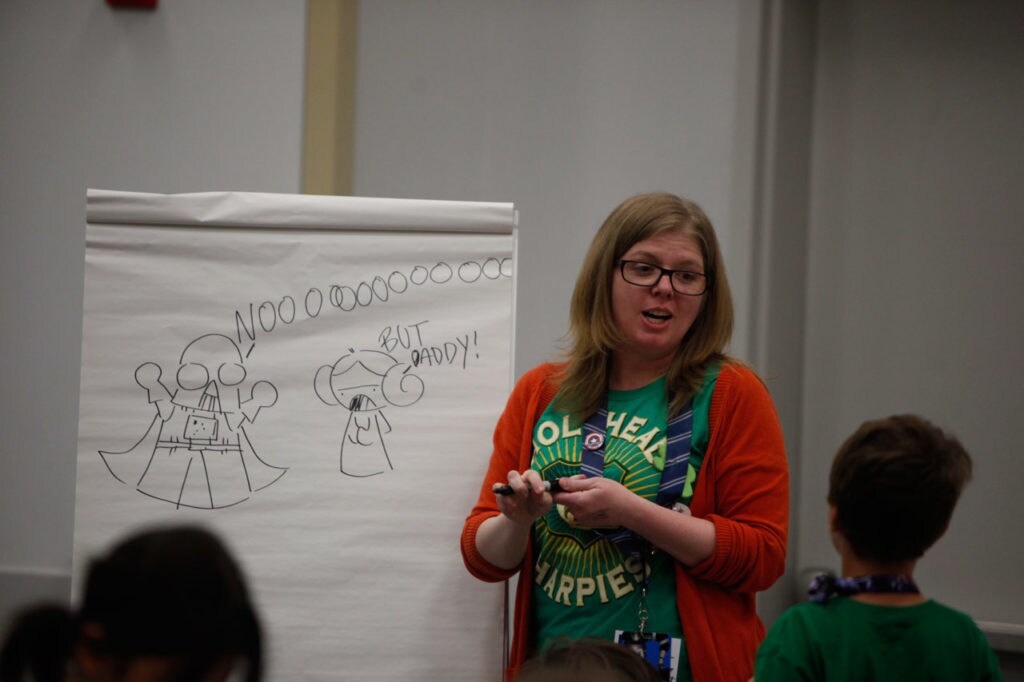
column 593, row 333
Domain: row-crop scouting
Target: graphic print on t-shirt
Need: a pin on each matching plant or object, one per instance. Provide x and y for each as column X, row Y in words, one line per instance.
column 585, row 584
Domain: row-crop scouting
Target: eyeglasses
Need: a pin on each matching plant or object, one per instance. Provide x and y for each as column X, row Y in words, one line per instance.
column 642, row 274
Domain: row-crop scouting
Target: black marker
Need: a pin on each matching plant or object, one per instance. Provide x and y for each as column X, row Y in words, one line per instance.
column 551, row 486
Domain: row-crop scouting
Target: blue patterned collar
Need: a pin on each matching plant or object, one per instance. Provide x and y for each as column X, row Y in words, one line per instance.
column 824, row 585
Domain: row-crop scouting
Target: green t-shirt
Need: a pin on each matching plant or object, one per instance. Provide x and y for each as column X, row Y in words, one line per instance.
column 584, row 585
column 845, row 640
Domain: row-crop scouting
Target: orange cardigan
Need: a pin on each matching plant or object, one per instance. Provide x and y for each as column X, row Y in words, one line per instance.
column 742, row 487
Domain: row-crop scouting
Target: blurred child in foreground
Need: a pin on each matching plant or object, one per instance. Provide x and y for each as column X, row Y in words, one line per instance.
column 587, row 660
column 164, row 605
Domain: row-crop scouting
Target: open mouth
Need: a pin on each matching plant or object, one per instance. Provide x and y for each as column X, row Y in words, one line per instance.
column 657, row 315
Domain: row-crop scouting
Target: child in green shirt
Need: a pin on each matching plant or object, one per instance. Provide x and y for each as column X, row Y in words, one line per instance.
column 892, row 490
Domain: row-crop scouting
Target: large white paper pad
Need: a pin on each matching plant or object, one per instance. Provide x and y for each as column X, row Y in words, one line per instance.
column 317, row 379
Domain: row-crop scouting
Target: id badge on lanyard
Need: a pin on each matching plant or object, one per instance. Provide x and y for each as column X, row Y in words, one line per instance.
column 660, row 650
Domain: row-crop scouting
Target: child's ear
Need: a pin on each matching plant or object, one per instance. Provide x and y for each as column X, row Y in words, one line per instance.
column 832, row 514
column 834, row 531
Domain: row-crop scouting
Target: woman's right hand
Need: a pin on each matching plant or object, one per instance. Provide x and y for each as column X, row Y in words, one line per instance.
column 502, row 539
column 529, row 499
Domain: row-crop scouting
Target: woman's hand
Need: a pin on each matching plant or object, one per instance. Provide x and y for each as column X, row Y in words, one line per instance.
column 502, row 539
column 596, row 502
column 603, row 503
column 529, row 499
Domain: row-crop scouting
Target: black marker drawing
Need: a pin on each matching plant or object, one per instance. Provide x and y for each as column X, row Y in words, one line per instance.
column 200, row 455
column 276, row 313
column 364, row 382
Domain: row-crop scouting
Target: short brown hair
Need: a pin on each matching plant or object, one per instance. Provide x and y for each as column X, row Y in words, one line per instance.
column 894, row 484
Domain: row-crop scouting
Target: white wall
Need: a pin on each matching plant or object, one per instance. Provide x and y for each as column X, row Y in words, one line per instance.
column 194, row 96
column 916, row 268
column 565, row 109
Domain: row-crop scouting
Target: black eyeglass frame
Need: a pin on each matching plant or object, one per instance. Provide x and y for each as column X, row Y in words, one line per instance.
column 663, row 272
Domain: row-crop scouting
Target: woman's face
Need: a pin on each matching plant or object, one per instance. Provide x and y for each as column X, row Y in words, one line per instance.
column 654, row 319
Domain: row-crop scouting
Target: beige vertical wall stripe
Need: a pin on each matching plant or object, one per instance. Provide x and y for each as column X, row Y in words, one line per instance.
column 329, row 97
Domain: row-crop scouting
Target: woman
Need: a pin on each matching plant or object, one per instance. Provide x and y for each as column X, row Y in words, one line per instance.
column 671, row 508
column 165, row 605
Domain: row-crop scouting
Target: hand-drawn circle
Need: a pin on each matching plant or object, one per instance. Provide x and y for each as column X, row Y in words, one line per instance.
column 441, row 273
column 192, row 376
column 469, row 272
column 281, row 308
column 264, row 393
column 322, row 385
column 492, row 268
column 263, row 316
column 418, row 275
column 397, row 282
column 400, row 387
column 506, row 267
column 340, row 295
column 147, row 374
column 319, row 302
column 231, row 373
column 364, row 294
column 380, row 288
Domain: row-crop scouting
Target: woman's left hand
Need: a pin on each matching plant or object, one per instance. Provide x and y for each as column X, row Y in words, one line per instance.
column 596, row 502
column 603, row 503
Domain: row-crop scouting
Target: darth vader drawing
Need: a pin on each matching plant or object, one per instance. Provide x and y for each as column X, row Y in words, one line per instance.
column 196, row 453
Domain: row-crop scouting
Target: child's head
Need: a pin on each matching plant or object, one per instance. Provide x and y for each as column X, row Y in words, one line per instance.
column 588, row 660
column 167, row 604
column 893, row 486
column 172, row 592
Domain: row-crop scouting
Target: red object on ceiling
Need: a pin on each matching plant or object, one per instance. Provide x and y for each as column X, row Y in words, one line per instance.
column 135, row 4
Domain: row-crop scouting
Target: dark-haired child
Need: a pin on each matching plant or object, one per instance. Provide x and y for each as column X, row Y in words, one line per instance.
column 892, row 490
column 165, row 604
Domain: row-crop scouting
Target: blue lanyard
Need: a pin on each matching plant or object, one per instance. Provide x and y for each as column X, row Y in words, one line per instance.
column 825, row 585
column 679, row 433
